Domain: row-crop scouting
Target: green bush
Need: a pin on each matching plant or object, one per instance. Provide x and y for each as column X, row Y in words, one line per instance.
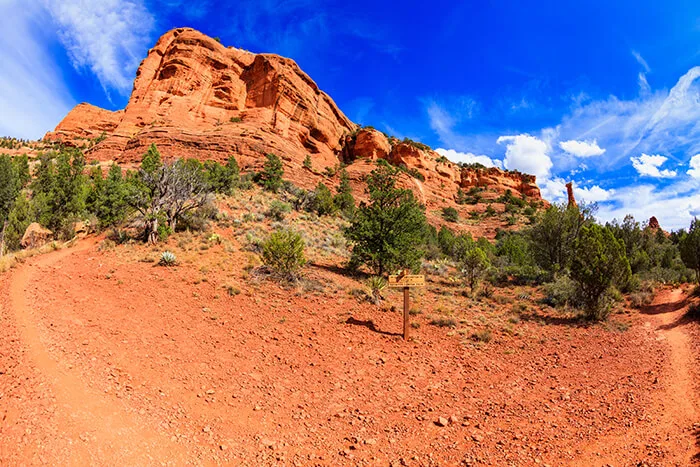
column 474, row 264
column 690, row 248
column 323, row 203
column 278, row 210
column 561, row 292
column 598, row 263
column 283, row 253
column 450, row 214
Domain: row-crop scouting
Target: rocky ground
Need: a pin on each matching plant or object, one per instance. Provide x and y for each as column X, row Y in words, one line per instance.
column 106, row 358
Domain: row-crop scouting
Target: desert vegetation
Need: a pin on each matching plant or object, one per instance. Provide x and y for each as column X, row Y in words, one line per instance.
column 577, row 264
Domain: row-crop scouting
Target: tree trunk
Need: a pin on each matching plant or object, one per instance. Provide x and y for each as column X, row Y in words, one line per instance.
column 2, row 239
column 153, row 231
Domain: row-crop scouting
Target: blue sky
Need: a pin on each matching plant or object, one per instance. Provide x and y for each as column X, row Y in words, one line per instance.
column 606, row 94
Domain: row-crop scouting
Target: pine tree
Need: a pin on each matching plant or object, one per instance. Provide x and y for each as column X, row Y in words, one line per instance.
column 271, row 176
column 344, row 200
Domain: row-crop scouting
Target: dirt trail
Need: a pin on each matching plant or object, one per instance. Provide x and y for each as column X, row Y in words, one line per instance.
column 680, row 403
column 675, row 403
column 98, row 426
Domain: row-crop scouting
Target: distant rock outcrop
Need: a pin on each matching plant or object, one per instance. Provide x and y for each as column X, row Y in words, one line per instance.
column 654, row 223
column 570, row 194
column 195, row 98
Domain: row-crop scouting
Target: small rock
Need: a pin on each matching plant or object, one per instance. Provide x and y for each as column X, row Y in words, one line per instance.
column 371, row 441
column 206, row 429
column 210, row 391
column 222, row 447
column 478, row 438
column 453, row 419
column 442, row 421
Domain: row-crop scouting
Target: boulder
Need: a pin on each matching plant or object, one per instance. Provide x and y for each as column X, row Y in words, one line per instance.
column 36, row 236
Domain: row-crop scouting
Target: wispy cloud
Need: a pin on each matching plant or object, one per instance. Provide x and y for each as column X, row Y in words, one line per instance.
column 637, row 56
column 660, row 122
column 108, row 38
column 33, row 97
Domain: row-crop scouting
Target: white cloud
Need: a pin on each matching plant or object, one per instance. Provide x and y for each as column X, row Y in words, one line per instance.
column 554, row 190
column 527, row 154
column 109, row 37
column 468, row 158
column 582, row 148
column 33, row 97
column 694, row 166
column 674, row 206
column 648, row 165
column 594, row 194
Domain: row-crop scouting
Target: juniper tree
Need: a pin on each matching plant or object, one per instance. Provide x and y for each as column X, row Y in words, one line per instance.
column 387, row 233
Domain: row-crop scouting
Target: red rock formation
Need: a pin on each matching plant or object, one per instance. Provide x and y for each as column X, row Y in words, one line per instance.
column 35, row 236
column 654, row 223
column 193, row 97
column 570, row 194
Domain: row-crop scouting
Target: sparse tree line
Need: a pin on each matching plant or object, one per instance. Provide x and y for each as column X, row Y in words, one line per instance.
column 582, row 263
column 161, row 196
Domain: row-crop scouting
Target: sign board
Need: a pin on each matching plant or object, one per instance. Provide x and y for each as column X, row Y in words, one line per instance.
column 407, row 280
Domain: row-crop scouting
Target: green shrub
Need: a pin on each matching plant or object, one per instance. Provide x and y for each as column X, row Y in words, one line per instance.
column 474, row 264
column 278, row 210
column 561, row 292
column 236, row 120
column 598, row 263
column 323, row 203
column 450, row 214
column 307, row 162
column 283, row 253
column 490, row 211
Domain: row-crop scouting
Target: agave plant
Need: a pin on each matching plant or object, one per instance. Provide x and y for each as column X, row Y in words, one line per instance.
column 375, row 285
column 168, row 258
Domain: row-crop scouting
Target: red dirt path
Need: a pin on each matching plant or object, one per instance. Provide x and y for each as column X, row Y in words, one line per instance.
column 108, row 361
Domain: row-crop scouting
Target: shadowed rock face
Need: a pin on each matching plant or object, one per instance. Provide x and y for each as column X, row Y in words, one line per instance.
column 195, row 98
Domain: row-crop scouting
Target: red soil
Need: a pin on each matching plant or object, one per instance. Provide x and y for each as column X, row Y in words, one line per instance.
column 106, row 360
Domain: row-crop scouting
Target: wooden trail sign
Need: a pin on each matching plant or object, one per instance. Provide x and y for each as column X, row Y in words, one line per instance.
column 406, row 281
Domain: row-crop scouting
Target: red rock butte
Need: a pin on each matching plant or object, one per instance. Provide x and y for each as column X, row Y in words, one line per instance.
column 194, row 97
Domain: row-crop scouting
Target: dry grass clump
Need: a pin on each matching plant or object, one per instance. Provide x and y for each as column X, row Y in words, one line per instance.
column 11, row 260
column 444, row 322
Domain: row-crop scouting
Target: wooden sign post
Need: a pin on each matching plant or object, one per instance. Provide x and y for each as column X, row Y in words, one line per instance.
column 406, row 281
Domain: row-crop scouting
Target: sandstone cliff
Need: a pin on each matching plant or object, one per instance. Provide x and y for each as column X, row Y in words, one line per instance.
column 194, row 97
